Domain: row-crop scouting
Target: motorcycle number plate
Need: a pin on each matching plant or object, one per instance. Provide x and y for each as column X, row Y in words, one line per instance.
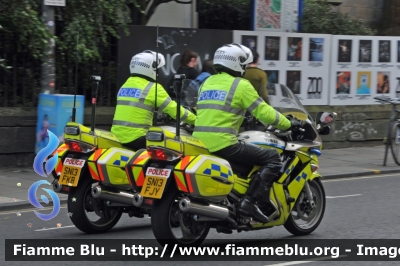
column 71, row 172
column 154, row 183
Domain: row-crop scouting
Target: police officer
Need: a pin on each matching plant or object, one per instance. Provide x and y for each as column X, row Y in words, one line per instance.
column 136, row 101
column 222, row 103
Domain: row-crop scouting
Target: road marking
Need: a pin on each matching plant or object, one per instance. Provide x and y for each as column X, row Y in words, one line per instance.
column 304, row 261
column 52, row 228
column 357, row 178
column 9, row 200
column 27, row 210
column 344, row 196
column 374, row 170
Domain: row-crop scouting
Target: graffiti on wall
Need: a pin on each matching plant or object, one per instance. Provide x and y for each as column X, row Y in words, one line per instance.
column 356, row 127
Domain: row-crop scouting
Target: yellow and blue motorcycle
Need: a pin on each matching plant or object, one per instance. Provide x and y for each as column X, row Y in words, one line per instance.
column 95, row 170
column 193, row 190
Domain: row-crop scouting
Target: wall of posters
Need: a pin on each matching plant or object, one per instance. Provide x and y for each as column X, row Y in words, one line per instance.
column 363, row 67
column 300, row 61
column 276, row 15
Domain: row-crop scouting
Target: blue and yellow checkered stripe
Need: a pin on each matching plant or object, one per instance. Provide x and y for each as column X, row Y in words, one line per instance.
column 216, row 170
column 123, row 159
column 303, row 175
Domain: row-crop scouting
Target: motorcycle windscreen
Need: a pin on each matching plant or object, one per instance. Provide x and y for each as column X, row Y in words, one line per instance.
column 189, row 92
column 286, row 102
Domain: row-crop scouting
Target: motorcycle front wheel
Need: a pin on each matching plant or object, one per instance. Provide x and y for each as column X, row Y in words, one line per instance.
column 88, row 214
column 173, row 227
column 304, row 219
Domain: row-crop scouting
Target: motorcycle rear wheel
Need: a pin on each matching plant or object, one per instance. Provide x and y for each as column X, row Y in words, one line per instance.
column 171, row 226
column 302, row 213
column 82, row 208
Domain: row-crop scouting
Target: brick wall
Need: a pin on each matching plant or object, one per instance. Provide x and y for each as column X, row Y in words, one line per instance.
column 355, row 126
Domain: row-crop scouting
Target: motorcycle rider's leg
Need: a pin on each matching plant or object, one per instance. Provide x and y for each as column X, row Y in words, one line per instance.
column 243, row 153
column 137, row 144
column 248, row 205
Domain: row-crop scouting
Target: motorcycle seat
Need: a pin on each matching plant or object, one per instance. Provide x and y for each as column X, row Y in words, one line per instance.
column 241, row 170
column 125, row 147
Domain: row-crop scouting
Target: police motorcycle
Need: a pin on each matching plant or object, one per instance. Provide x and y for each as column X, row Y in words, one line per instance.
column 94, row 169
column 194, row 190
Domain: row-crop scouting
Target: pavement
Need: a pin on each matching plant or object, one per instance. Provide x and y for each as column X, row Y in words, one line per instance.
column 333, row 163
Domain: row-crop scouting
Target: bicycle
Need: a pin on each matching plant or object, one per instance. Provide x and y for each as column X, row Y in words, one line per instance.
column 393, row 130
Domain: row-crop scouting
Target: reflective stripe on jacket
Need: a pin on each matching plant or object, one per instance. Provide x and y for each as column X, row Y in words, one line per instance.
column 221, row 106
column 135, row 109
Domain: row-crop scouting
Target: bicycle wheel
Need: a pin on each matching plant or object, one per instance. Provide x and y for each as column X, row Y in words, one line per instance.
column 395, row 142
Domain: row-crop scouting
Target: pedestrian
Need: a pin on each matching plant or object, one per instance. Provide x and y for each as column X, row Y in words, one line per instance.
column 257, row 78
column 136, row 101
column 188, row 64
column 208, row 70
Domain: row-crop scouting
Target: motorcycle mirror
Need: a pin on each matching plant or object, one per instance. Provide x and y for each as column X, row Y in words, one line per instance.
column 325, row 131
column 325, row 118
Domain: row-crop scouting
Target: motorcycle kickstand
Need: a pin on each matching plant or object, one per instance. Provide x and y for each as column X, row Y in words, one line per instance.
column 309, row 195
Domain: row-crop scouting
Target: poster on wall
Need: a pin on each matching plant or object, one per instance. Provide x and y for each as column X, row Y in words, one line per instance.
column 276, row 15
column 299, row 61
column 53, row 113
column 363, row 67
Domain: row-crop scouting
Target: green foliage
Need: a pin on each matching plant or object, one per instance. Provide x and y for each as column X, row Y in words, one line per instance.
column 318, row 17
column 94, row 21
column 21, row 21
column 225, row 14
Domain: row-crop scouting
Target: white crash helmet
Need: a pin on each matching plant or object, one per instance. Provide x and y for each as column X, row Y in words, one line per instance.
column 145, row 63
column 233, row 56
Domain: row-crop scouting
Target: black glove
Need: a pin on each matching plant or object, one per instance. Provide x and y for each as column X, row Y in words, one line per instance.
column 295, row 124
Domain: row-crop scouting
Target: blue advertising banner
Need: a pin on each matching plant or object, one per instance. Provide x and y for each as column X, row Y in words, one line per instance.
column 54, row 112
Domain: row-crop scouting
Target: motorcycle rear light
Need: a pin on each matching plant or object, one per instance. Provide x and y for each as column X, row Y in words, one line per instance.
column 77, row 146
column 71, row 130
column 162, row 154
column 314, row 167
column 155, row 136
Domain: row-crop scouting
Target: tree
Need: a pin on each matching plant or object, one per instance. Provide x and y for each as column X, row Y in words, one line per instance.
column 20, row 22
column 318, row 17
column 225, row 14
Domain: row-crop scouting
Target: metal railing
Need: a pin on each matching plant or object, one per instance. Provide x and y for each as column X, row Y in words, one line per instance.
column 20, row 85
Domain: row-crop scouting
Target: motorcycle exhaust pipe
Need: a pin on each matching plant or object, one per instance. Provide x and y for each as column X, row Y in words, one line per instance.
column 210, row 211
column 140, row 202
column 114, row 195
column 137, row 200
column 58, row 188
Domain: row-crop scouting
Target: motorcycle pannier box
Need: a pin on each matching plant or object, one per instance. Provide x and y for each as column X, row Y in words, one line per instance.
column 112, row 164
column 209, row 176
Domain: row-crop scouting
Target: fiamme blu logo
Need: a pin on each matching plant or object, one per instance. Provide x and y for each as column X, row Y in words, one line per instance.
column 43, row 167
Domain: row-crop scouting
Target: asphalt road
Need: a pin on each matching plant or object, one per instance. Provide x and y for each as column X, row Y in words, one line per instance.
column 357, row 208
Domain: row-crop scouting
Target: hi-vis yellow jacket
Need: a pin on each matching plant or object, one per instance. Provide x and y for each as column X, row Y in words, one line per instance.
column 221, row 106
column 135, row 109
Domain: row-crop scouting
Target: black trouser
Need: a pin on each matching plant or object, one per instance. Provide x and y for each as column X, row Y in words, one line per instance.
column 245, row 153
column 137, row 144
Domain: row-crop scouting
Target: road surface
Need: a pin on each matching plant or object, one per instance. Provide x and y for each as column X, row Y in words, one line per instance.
column 357, row 208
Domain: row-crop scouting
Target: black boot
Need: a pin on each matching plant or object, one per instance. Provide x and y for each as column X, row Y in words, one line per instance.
column 248, row 204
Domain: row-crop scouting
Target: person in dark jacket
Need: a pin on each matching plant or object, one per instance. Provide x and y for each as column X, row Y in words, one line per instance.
column 189, row 62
